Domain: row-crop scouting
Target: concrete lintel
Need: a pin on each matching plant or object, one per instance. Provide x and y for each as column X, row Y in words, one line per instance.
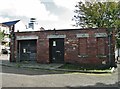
column 101, row 35
column 56, row 36
column 82, row 35
column 26, row 37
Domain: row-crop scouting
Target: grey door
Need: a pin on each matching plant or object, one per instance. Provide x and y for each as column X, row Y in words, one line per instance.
column 27, row 50
column 56, row 50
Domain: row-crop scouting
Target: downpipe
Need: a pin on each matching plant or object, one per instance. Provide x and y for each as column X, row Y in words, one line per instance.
column 109, row 49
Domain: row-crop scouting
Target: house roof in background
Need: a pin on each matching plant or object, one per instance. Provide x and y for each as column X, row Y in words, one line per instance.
column 10, row 23
column 3, row 25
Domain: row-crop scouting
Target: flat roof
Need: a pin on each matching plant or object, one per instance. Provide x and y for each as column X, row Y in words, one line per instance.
column 61, row 30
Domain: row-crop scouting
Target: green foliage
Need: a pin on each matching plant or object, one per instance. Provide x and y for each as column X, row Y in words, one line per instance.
column 18, row 65
column 1, row 35
column 98, row 14
column 118, row 43
column 84, row 67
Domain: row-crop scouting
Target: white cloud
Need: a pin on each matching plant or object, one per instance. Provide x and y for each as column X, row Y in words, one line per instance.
column 26, row 8
column 69, row 4
column 4, row 19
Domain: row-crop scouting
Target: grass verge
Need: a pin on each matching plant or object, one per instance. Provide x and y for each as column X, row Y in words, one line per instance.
column 85, row 69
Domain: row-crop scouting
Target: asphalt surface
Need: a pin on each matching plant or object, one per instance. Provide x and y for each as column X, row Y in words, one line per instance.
column 21, row 77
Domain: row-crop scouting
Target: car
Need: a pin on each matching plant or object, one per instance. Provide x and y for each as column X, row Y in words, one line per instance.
column 6, row 50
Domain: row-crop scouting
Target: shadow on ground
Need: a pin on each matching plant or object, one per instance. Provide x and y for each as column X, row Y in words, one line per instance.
column 15, row 68
column 28, row 71
column 18, row 69
column 98, row 86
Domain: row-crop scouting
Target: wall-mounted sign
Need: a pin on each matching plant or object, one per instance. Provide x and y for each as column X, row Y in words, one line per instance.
column 54, row 43
column 24, row 50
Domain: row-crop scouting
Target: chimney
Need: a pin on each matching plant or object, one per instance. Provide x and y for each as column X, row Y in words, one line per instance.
column 42, row 29
column 32, row 23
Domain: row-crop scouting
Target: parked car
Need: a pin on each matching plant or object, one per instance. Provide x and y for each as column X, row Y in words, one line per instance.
column 4, row 51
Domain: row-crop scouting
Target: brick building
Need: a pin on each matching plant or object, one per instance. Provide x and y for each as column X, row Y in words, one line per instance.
column 79, row 46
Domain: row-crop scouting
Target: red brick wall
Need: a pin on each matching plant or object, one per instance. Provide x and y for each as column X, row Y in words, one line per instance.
column 90, row 47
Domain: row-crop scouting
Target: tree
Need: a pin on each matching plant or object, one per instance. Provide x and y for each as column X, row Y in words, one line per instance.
column 97, row 14
column 1, row 35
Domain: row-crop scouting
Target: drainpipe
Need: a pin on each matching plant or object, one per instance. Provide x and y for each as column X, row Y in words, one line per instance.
column 109, row 48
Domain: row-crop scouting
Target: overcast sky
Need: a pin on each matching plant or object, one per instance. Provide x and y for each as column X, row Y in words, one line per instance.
column 49, row 13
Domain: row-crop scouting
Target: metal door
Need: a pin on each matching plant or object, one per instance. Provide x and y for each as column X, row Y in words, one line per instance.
column 56, row 50
column 27, row 50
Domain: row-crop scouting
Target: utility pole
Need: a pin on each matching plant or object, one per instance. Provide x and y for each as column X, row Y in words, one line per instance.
column 109, row 34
